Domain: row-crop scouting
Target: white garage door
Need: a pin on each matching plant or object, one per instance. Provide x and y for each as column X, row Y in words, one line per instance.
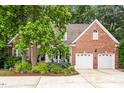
column 106, row 61
column 84, row 61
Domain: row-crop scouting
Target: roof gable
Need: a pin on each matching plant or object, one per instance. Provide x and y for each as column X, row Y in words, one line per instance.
column 104, row 29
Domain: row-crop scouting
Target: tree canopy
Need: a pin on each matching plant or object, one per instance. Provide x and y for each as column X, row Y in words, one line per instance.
column 46, row 28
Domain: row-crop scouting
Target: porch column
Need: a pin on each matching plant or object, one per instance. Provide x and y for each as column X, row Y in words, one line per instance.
column 33, row 55
column 58, row 57
column 46, row 58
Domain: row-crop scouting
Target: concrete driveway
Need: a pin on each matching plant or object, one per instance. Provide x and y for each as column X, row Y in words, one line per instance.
column 64, row 82
column 86, row 79
column 104, row 78
column 44, row 82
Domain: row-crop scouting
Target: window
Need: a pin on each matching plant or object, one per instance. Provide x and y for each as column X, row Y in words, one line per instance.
column 16, row 52
column 95, row 35
column 27, row 54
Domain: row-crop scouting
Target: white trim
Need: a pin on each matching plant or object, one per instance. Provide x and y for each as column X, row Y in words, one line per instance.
column 65, row 36
column 104, row 29
column 13, row 38
column 72, row 45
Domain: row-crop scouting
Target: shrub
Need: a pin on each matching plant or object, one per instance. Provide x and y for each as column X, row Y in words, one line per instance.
column 11, row 61
column 69, row 70
column 56, row 68
column 23, row 67
column 121, row 63
column 2, row 61
column 41, row 68
column 121, row 53
column 64, row 63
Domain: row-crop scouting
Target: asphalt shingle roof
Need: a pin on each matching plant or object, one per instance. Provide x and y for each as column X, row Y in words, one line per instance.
column 74, row 30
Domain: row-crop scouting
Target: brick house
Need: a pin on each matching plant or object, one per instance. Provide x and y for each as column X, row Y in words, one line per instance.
column 91, row 46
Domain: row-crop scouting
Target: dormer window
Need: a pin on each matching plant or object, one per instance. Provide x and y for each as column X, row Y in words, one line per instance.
column 95, row 35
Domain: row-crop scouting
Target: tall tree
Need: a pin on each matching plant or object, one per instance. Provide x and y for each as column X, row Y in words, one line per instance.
column 112, row 17
column 82, row 13
column 46, row 29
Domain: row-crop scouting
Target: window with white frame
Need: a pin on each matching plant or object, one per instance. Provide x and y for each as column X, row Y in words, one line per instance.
column 95, row 35
column 27, row 53
column 16, row 52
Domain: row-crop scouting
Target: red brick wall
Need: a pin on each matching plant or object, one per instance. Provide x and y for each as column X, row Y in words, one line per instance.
column 87, row 44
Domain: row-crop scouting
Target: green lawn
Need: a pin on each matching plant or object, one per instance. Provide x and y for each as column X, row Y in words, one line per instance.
column 7, row 73
column 13, row 73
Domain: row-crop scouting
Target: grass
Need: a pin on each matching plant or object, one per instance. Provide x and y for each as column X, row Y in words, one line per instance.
column 4, row 72
column 7, row 73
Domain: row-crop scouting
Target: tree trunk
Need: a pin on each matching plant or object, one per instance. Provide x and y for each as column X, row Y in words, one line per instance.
column 33, row 54
column 23, row 56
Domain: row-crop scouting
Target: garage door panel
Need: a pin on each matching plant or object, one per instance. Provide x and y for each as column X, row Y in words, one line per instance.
column 106, row 61
column 84, row 61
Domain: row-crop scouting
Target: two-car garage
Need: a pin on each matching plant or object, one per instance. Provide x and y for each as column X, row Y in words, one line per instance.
column 86, row 61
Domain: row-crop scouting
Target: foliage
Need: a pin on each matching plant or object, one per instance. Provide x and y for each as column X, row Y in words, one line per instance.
column 69, row 70
column 45, row 30
column 56, row 68
column 112, row 18
column 2, row 62
column 82, row 13
column 11, row 61
column 64, row 62
column 35, row 25
column 41, row 68
column 23, row 67
column 121, row 54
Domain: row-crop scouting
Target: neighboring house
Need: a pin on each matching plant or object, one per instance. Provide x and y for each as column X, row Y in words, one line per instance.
column 91, row 47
